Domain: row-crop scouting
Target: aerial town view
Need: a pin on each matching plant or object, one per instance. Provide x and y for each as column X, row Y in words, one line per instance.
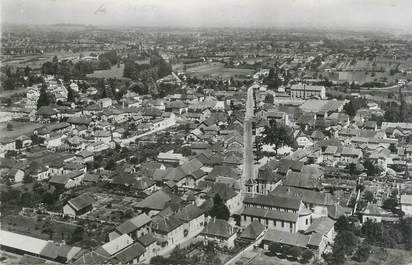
column 206, row 132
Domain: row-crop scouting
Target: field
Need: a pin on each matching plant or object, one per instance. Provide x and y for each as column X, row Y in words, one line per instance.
column 36, row 61
column 217, row 70
column 386, row 257
column 19, row 128
column 114, row 72
column 38, row 227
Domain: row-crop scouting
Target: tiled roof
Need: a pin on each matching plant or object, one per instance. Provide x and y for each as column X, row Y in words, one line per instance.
column 307, row 196
column 166, row 224
column 133, row 224
column 270, row 214
column 81, row 202
column 253, row 230
column 218, row 228
column 189, row 213
column 292, row 239
column 274, row 201
column 321, row 225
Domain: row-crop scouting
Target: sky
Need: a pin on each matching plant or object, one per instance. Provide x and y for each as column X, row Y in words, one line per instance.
column 392, row 15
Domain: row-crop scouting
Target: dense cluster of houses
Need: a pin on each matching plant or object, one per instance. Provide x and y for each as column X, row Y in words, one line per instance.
column 285, row 203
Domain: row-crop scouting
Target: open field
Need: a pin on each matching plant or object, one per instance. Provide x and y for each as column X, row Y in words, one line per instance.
column 36, row 61
column 217, row 70
column 19, row 128
column 114, row 72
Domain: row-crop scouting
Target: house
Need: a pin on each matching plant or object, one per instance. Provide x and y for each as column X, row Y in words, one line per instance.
column 303, row 140
column 406, row 204
column 85, row 156
column 170, row 158
column 105, row 102
column 232, row 199
column 68, row 180
column 150, row 244
column 253, row 232
column 376, row 214
column 115, row 246
column 194, row 219
column 323, row 231
column 133, row 254
column 303, row 241
column 136, row 227
column 350, row 155
column 17, row 174
column 170, row 231
column 102, row 136
column 78, row 206
column 219, row 231
column 154, row 203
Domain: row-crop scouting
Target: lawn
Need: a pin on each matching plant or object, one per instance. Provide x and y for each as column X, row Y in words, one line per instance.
column 114, row 72
column 217, row 70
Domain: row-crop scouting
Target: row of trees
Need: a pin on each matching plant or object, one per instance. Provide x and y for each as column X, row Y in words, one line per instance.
column 296, row 252
column 388, row 235
column 81, row 68
column 24, row 77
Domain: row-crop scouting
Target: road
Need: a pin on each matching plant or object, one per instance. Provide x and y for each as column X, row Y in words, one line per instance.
column 248, row 161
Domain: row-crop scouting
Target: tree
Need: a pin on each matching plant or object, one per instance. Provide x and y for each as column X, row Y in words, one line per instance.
column 77, row 235
column 390, row 204
column 44, row 99
column 346, row 241
column 219, row 209
column 9, row 127
column 343, row 224
column 307, row 255
column 277, row 135
column 295, row 251
column 350, row 109
column 27, row 179
column 275, row 248
column 48, row 198
column 369, row 196
column 70, row 95
column 362, row 253
column 372, row 231
column 259, row 147
column 371, row 169
column 104, row 63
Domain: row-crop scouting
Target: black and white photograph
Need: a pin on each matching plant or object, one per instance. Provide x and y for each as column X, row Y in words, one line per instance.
column 206, row 132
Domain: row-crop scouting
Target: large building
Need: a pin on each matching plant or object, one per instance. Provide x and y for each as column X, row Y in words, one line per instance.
column 304, row 91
